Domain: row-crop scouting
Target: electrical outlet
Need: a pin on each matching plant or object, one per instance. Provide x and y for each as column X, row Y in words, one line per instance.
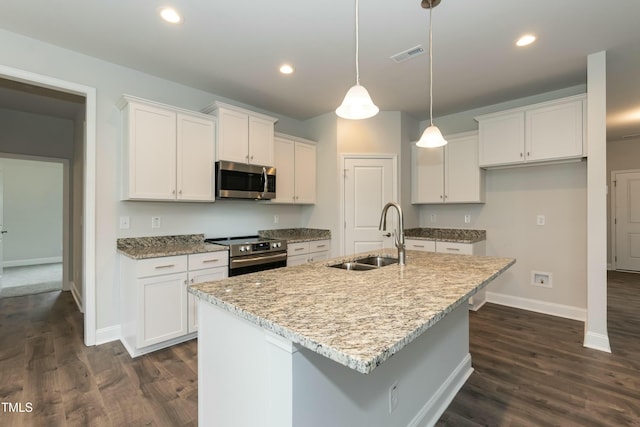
column 393, row 397
column 432, row 217
column 155, row 222
column 467, row 219
column 276, row 219
column 540, row 220
column 542, row 278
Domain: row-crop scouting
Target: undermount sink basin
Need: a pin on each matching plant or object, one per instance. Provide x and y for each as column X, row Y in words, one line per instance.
column 365, row 264
column 378, row 261
column 353, row 266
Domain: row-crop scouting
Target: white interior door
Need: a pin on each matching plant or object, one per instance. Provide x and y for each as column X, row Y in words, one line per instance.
column 368, row 184
column 627, row 218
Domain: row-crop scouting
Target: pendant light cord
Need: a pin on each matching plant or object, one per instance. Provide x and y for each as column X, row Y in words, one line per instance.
column 357, row 45
column 430, row 65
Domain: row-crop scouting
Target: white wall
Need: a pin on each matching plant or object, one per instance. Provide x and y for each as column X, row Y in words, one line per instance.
column 32, row 212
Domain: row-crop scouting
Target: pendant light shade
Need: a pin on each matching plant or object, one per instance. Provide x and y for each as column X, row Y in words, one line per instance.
column 357, row 103
column 431, row 137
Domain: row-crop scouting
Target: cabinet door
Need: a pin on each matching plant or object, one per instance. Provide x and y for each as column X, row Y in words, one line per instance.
column 463, row 177
column 233, row 136
column 151, row 153
column 318, row 256
column 162, row 308
column 305, row 173
column 285, row 170
column 555, row 132
column 501, row 139
column 200, row 276
column 260, row 141
column 297, row 259
column 195, row 158
column 420, row 245
column 427, row 184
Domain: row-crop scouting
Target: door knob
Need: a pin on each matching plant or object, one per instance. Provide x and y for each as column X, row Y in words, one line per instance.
column 386, row 235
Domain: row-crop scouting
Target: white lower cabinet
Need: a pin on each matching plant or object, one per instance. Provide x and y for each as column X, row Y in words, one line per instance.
column 157, row 310
column 304, row 252
column 477, row 248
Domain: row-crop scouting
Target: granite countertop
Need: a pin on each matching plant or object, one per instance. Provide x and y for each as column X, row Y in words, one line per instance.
column 296, row 235
column 356, row 318
column 459, row 235
column 161, row 246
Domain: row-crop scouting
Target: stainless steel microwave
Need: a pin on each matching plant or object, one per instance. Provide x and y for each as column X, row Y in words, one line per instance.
column 242, row 181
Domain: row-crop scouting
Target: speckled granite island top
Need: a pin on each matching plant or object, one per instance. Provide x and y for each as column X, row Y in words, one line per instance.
column 295, row 235
column 161, row 246
column 356, row 318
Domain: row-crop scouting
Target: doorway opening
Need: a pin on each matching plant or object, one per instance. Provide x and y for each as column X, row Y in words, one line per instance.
column 32, row 213
column 48, row 95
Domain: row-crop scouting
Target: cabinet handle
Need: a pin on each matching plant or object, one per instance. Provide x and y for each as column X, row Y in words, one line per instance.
column 520, row 154
column 180, row 192
column 418, row 246
column 310, row 260
column 528, row 154
column 298, row 249
column 192, row 280
column 321, row 246
column 211, row 260
column 453, row 249
column 173, row 191
column 158, row 267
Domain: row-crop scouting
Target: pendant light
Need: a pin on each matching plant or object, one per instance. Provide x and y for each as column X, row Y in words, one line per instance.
column 357, row 103
column 431, row 137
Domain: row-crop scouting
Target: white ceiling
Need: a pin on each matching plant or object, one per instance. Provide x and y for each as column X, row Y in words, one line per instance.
column 234, row 48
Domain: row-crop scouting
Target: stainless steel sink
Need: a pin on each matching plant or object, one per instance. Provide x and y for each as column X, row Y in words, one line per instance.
column 365, row 264
column 378, row 261
column 354, row 266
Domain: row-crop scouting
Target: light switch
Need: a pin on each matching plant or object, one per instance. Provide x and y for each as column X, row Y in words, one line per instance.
column 540, row 220
column 155, row 222
column 124, row 222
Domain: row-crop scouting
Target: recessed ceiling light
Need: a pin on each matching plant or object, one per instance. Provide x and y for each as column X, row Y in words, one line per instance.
column 286, row 69
column 170, row 15
column 526, row 40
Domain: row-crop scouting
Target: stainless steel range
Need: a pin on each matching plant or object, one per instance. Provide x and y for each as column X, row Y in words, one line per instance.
column 248, row 254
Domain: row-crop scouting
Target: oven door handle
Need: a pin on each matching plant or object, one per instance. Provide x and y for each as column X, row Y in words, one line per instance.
column 244, row 262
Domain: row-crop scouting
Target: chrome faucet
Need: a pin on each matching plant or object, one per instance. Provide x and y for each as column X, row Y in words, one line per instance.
column 399, row 233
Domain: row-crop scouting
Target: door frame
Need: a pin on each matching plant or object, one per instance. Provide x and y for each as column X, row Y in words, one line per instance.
column 348, row 156
column 89, row 190
column 613, row 216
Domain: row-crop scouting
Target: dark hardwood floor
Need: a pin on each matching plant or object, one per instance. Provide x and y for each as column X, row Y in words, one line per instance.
column 530, row 370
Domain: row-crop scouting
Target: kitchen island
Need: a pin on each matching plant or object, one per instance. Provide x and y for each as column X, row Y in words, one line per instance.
column 314, row 345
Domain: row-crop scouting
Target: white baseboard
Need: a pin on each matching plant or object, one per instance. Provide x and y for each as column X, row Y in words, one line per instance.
column 76, row 296
column 597, row 341
column 135, row 352
column 538, row 306
column 105, row 335
column 32, row 261
column 431, row 412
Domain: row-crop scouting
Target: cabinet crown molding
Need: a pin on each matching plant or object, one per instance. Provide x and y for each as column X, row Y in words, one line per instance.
column 125, row 99
column 582, row 96
column 215, row 105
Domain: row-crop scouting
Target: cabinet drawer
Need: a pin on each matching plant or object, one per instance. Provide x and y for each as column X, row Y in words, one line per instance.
column 161, row 266
column 318, row 256
column 319, row 246
column 454, row 248
column 420, row 245
column 208, row 260
column 297, row 248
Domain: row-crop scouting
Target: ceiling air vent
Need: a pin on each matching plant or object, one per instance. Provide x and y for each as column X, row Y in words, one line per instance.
column 407, row 54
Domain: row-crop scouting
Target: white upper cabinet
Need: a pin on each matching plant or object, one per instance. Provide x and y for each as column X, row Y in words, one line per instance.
column 168, row 153
column 243, row 136
column 448, row 174
column 548, row 131
column 295, row 162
